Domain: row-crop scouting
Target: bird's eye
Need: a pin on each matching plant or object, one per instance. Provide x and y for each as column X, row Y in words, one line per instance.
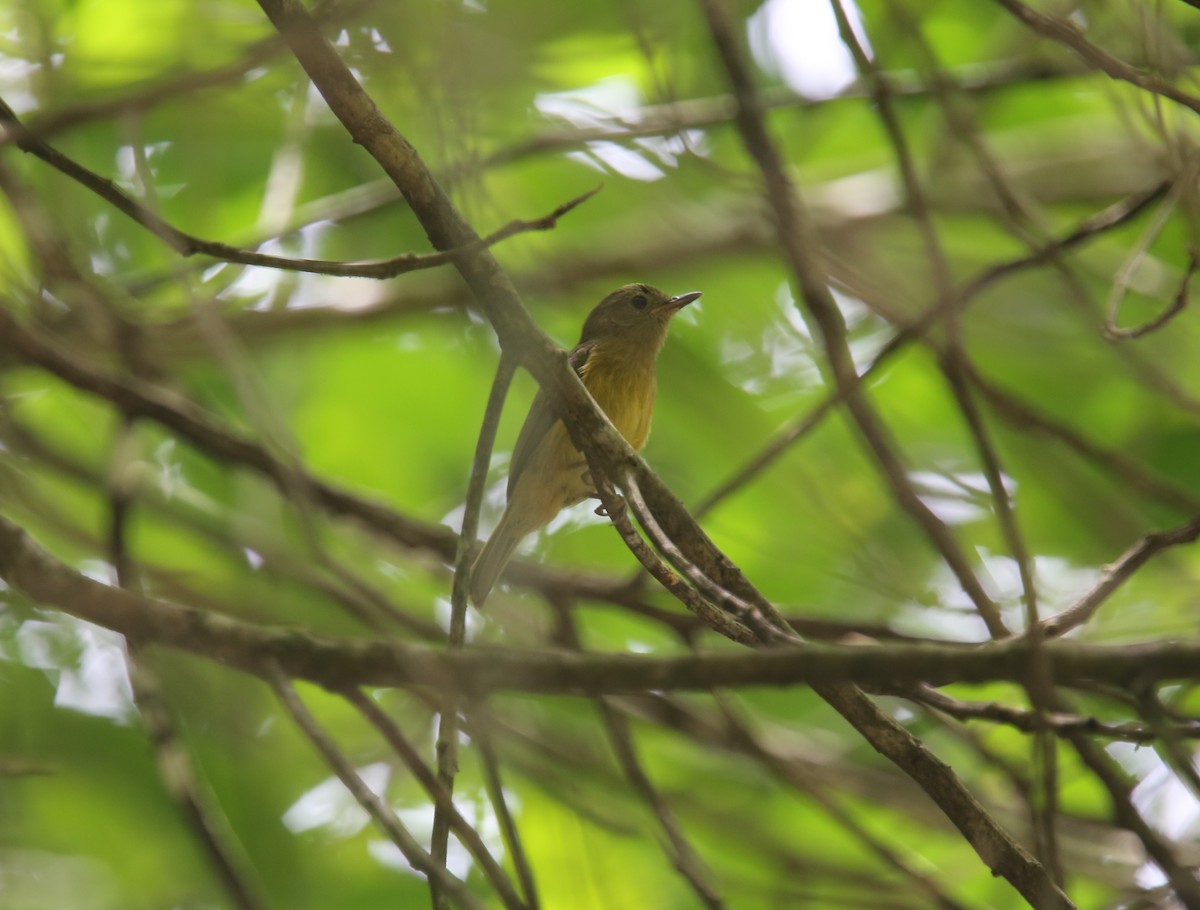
column 639, row 301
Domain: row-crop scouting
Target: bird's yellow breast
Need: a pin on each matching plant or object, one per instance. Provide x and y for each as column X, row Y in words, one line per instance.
column 625, row 389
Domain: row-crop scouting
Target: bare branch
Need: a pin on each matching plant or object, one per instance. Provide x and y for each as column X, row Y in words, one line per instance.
column 338, row 662
column 615, row 508
column 1119, row 572
column 189, row 245
column 448, row 725
column 1120, row 791
column 1029, row 721
column 795, row 237
column 441, row 797
column 620, row 738
column 1070, row 35
column 1177, row 306
column 755, row 611
column 374, row 805
column 196, row 425
column 1093, row 226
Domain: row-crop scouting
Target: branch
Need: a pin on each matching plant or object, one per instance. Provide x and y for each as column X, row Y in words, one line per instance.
column 1117, row 573
column 1095, row 225
column 701, row 113
column 992, row 843
column 1132, row 474
column 196, row 425
column 1059, row 723
column 795, row 235
column 145, row 97
column 374, row 805
column 1120, row 788
column 189, row 245
column 441, row 797
column 679, row 849
column 514, row 847
column 1070, row 35
column 189, row 420
column 716, row 618
column 757, row 613
column 448, row 719
column 337, row 662
column 1177, row 306
column 588, row 427
column 737, row 736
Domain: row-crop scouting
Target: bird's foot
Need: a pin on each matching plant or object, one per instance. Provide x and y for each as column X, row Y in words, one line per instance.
column 602, row 510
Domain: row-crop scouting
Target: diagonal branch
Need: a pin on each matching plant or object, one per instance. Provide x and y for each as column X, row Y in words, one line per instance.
column 589, row 429
column 994, row 845
column 795, row 235
column 189, row 245
column 441, row 797
column 720, row 620
column 189, row 420
column 374, row 805
column 620, row 738
column 1070, row 35
column 1095, row 225
column 1117, row 573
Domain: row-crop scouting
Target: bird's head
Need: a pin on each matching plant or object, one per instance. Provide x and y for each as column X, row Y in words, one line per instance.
column 636, row 315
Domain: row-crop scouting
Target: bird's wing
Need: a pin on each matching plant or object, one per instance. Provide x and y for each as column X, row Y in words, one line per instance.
column 542, row 416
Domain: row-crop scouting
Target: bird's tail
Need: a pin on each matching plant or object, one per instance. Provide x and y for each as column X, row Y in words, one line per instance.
column 493, row 558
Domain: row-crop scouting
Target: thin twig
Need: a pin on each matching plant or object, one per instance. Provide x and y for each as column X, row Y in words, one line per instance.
column 686, row 114
column 189, row 245
column 196, row 805
column 172, row 410
column 794, row 232
column 442, row 799
column 1132, row 474
column 448, row 720
column 1178, row 755
column 1070, row 35
column 375, row 806
column 360, row 601
column 683, row 855
column 1095, row 225
column 145, row 97
column 1117, row 573
column 489, row 762
column 1060, row 723
column 1177, row 306
column 760, row 614
column 620, row 738
column 195, row 802
column 739, row 736
column 1120, row 791
column 616, row 509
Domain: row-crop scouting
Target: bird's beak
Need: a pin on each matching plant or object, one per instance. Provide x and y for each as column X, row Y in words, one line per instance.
column 678, row 303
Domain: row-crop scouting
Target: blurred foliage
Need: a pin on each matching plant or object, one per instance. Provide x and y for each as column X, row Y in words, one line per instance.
column 379, row 387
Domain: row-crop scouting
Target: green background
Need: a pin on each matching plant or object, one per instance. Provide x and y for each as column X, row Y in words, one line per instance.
column 379, row 388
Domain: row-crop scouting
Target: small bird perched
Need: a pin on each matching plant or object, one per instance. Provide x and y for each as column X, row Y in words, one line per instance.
column 615, row 359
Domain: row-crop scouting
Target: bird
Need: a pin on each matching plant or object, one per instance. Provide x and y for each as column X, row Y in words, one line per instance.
column 615, row 358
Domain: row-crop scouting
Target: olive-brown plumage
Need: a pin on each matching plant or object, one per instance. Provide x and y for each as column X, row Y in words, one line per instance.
column 615, row 359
